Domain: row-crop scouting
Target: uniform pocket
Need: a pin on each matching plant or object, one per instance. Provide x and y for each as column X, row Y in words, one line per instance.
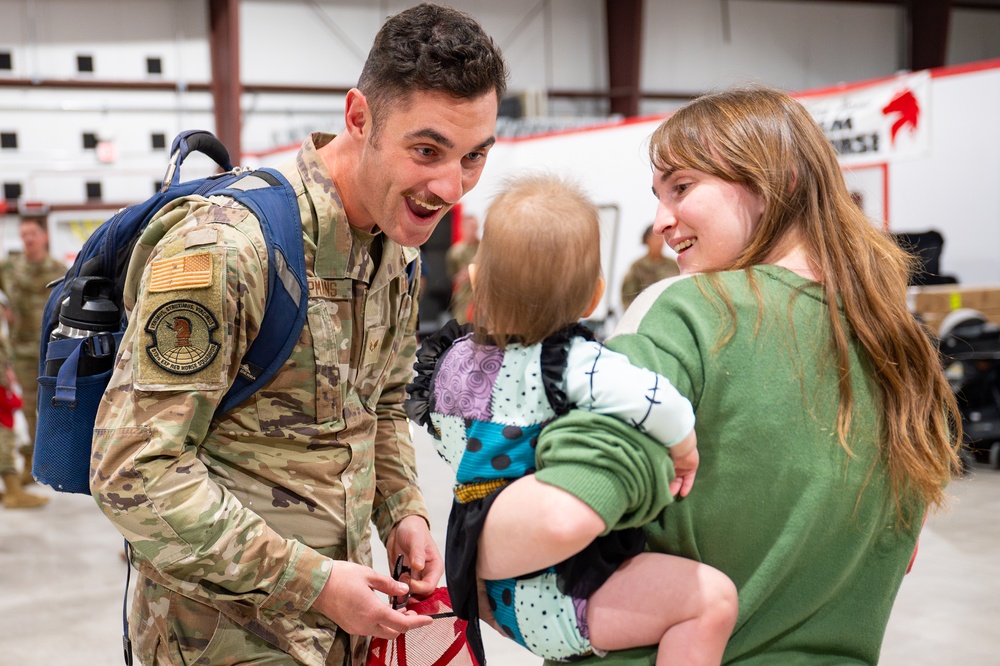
column 382, row 345
column 168, row 628
column 328, row 346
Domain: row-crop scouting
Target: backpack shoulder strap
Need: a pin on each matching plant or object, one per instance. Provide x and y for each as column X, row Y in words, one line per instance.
column 271, row 199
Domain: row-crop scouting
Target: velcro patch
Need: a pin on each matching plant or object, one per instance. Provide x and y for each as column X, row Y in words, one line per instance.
column 190, row 271
column 182, row 333
column 373, row 345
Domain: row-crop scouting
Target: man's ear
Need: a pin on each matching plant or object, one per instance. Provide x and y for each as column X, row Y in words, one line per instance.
column 357, row 114
column 596, row 298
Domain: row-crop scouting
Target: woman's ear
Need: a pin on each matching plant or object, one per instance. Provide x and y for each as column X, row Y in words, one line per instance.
column 596, row 298
column 472, row 275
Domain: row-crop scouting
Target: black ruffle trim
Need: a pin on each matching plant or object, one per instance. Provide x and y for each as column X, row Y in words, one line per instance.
column 420, row 401
column 555, row 352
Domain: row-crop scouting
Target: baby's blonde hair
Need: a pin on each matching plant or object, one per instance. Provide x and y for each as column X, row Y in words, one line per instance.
column 539, row 260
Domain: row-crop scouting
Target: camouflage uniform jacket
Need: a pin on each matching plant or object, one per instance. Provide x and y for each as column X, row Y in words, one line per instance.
column 244, row 511
column 24, row 283
column 644, row 272
column 459, row 256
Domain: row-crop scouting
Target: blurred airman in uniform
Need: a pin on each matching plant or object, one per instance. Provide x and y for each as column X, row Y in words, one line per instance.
column 457, row 261
column 648, row 269
column 14, row 496
column 23, row 277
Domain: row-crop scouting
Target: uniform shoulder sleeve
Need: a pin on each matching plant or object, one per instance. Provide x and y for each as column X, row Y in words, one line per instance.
column 201, row 297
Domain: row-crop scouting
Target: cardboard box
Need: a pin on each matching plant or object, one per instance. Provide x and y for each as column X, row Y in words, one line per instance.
column 933, row 319
column 948, row 297
column 933, row 304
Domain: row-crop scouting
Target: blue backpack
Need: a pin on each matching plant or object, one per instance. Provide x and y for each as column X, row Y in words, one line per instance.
column 69, row 395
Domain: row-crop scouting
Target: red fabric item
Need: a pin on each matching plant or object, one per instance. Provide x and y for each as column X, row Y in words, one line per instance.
column 913, row 558
column 442, row 643
column 10, row 402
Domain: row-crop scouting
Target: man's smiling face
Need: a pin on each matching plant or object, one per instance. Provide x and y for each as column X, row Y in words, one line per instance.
column 428, row 151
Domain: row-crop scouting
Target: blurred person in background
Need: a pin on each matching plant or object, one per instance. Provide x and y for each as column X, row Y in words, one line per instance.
column 457, row 260
column 23, row 277
column 648, row 269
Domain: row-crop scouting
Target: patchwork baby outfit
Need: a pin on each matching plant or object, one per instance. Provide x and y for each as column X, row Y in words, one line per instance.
column 485, row 408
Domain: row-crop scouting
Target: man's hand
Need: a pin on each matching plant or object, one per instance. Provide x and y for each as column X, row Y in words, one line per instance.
column 349, row 599
column 411, row 538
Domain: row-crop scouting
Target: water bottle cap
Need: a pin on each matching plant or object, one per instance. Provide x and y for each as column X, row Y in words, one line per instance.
column 89, row 305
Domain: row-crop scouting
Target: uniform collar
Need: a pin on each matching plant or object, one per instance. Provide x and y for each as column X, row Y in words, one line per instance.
column 330, row 234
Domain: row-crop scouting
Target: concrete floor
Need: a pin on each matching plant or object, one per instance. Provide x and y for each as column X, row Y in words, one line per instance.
column 62, row 579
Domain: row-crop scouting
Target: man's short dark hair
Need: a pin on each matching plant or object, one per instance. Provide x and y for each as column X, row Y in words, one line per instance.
column 41, row 221
column 429, row 48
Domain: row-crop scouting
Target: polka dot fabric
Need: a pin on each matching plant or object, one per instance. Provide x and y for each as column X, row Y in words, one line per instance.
column 534, row 613
column 518, row 394
column 547, row 618
column 452, row 443
column 493, row 450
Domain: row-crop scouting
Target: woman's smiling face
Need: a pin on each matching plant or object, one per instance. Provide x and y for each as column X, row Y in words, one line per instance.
column 706, row 220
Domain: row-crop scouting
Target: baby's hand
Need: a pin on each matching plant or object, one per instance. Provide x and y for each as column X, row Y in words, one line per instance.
column 685, row 457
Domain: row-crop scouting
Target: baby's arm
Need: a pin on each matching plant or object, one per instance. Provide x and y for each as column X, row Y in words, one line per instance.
column 606, row 382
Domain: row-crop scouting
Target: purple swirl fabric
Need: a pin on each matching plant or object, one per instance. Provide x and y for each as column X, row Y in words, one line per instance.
column 464, row 382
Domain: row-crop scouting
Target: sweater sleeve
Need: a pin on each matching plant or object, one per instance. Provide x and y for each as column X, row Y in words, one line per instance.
column 621, row 473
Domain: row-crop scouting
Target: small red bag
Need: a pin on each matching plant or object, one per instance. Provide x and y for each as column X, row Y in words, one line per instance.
column 441, row 643
column 10, row 402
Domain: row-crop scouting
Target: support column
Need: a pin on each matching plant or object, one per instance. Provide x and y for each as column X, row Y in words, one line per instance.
column 224, row 40
column 624, row 20
column 929, row 21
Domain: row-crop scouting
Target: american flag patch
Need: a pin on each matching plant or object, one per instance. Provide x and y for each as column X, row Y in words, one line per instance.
column 188, row 272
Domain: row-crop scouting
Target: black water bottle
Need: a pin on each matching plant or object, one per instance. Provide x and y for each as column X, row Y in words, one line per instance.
column 88, row 311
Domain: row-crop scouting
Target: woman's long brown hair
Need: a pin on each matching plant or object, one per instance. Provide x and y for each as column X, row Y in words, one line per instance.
column 764, row 139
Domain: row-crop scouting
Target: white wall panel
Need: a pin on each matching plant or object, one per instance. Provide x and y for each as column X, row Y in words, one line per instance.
column 118, row 34
column 306, row 43
column 697, row 45
column 954, row 189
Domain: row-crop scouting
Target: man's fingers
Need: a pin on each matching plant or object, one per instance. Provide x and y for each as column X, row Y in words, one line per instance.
column 424, row 581
column 397, row 622
column 386, row 585
column 420, row 587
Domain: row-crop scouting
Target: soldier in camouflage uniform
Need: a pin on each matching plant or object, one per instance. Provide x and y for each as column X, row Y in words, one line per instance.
column 457, row 261
column 648, row 269
column 250, row 529
column 23, row 277
column 14, row 497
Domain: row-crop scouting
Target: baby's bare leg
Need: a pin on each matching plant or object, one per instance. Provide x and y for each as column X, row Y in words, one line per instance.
column 686, row 608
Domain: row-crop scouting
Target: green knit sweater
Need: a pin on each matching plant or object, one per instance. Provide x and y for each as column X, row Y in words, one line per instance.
column 777, row 504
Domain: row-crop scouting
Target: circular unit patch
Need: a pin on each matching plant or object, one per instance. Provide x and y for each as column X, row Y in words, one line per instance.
column 182, row 337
